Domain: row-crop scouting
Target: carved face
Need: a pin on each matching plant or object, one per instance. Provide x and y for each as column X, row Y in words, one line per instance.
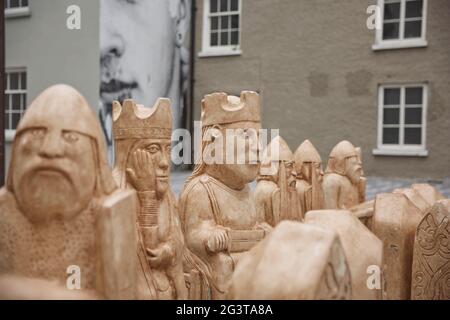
column 54, row 173
column 353, row 169
column 159, row 150
column 310, row 168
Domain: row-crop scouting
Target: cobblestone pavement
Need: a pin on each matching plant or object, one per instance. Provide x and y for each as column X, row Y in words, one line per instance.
column 375, row 185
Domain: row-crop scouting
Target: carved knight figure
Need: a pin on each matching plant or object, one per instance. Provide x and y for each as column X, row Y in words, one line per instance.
column 216, row 206
column 308, row 167
column 275, row 195
column 142, row 162
column 342, row 181
column 60, row 209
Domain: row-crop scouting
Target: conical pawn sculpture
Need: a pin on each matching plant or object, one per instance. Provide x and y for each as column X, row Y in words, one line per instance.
column 60, row 212
column 308, row 167
column 275, row 195
column 342, row 181
column 142, row 154
column 217, row 206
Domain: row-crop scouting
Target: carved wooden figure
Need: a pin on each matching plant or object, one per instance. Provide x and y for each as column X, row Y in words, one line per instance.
column 362, row 181
column 362, row 248
column 296, row 261
column 275, row 195
column 342, row 181
column 431, row 262
column 308, row 167
column 394, row 222
column 142, row 155
column 217, row 207
column 61, row 209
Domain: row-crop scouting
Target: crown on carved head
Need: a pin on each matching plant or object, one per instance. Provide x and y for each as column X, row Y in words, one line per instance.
column 133, row 121
column 220, row 108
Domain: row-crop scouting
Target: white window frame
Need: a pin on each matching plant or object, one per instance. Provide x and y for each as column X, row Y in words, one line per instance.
column 10, row 133
column 22, row 11
column 401, row 149
column 213, row 51
column 400, row 43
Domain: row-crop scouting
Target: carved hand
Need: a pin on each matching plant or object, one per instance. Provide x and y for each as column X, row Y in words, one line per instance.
column 218, row 240
column 161, row 256
column 141, row 174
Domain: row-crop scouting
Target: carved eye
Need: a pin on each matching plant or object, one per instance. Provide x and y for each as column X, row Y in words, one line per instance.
column 71, row 136
column 38, row 132
column 153, row 148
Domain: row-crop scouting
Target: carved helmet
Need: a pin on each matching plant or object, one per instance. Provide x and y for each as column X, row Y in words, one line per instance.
column 338, row 156
column 277, row 150
column 306, row 153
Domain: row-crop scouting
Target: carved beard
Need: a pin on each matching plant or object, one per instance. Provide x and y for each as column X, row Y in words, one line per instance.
column 162, row 185
column 47, row 194
column 317, row 193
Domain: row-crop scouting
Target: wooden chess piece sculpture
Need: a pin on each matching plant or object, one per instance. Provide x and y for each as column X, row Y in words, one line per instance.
column 216, row 206
column 362, row 181
column 431, row 260
column 341, row 184
column 362, row 248
column 142, row 152
column 395, row 221
column 275, row 195
column 308, row 167
column 60, row 209
column 296, row 261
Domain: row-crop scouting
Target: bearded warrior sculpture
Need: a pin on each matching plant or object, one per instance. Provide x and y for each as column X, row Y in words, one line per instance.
column 143, row 147
column 308, row 167
column 61, row 209
column 342, row 181
column 275, row 195
column 217, row 207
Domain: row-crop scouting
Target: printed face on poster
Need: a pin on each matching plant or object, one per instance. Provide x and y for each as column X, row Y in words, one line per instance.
column 144, row 54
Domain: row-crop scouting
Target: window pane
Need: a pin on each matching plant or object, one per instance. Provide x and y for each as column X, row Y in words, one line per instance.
column 15, row 120
column 234, row 5
column 235, row 21
column 392, row 96
column 223, row 5
column 414, row 95
column 391, row 135
column 24, row 101
column 23, row 79
column 413, row 136
column 14, row 3
column 413, row 29
column 24, row 3
column 224, row 22
column 7, row 118
column 214, row 23
column 414, row 9
column 224, row 38
column 413, row 116
column 391, row 116
column 213, row 5
column 214, row 39
column 14, row 81
column 16, row 102
column 6, row 102
column 391, row 30
column 391, row 11
column 235, row 37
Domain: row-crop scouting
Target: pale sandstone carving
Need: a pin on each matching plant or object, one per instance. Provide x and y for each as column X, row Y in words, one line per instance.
column 362, row 181
column 61, row 207
column 142, row 155
column 296, row 261
column 342, row 182
column 431, row 263
column 216, row 206
column 308, row 167
column 362, row 249
column 395, row 221
column 275, row 195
